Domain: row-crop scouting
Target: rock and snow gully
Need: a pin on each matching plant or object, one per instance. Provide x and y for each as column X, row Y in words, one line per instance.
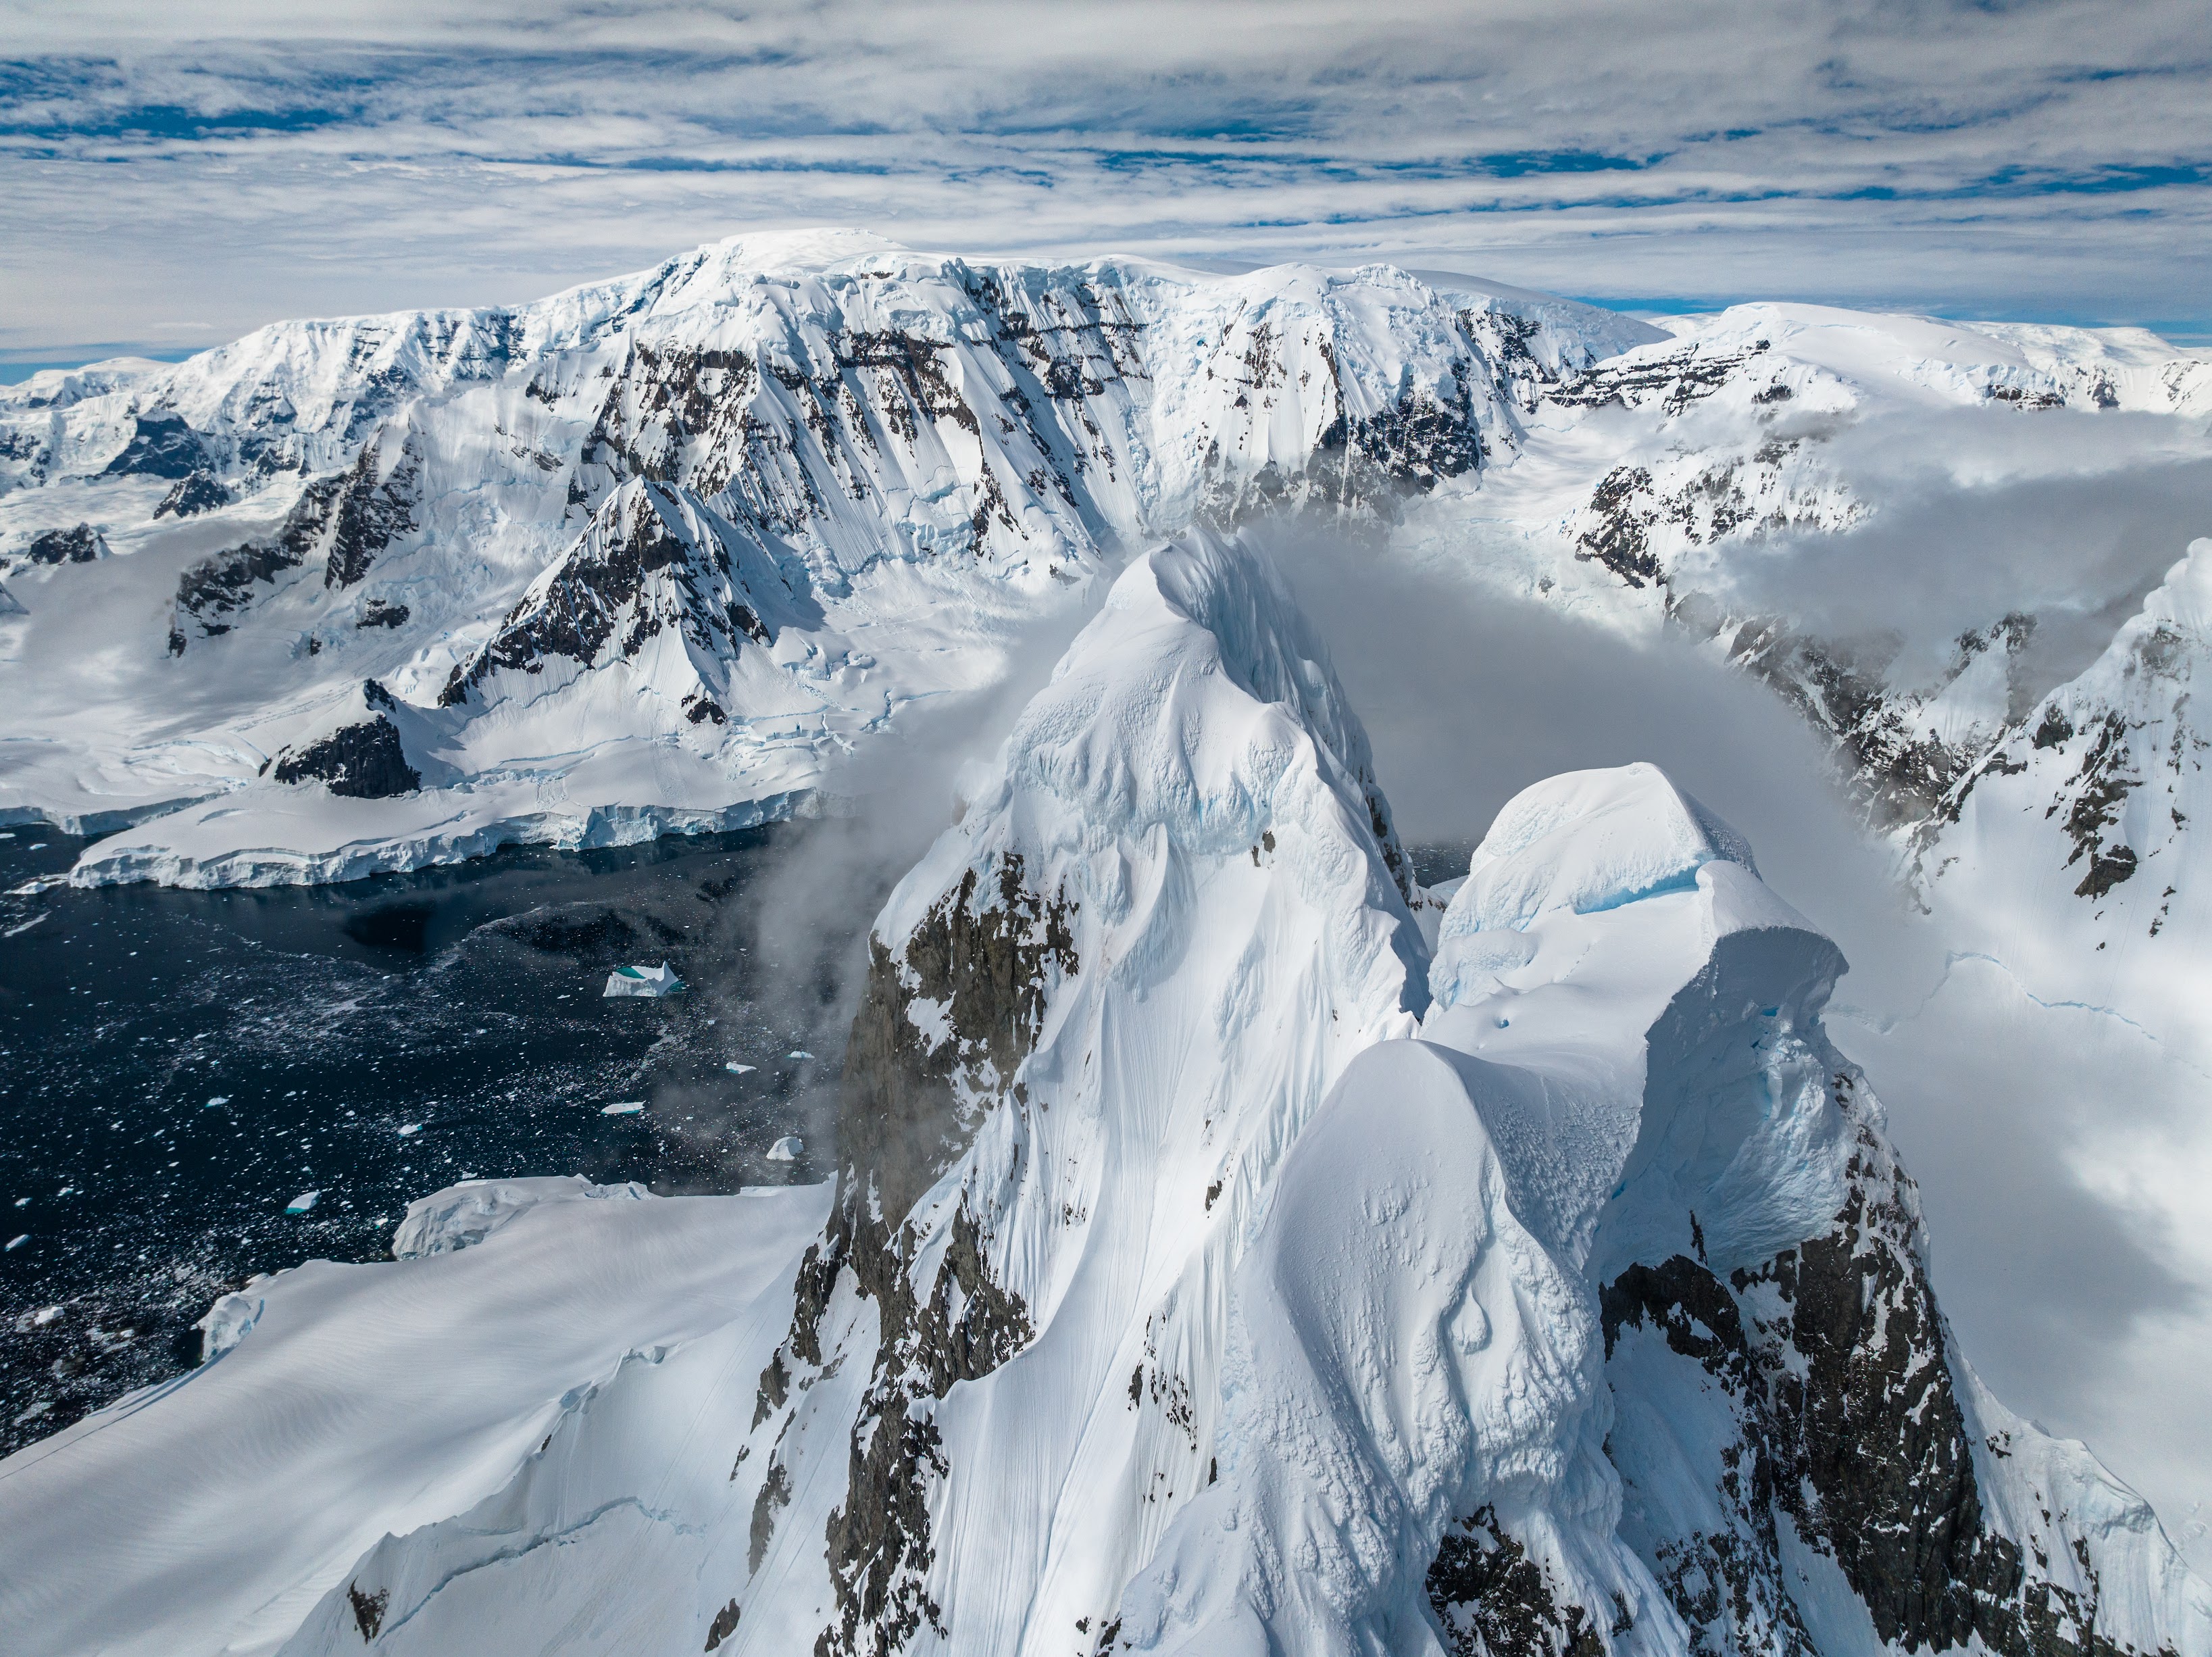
column 1236, row 1248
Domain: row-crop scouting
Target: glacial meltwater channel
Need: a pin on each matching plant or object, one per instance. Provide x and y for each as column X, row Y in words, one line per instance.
column 177, row 1067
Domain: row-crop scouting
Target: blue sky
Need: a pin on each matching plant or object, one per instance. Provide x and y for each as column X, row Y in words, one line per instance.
column 174, row 175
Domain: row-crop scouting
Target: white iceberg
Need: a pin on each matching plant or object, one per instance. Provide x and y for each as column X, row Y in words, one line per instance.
column 302, row 1202
column 785, row 1150
column 622, row 1107
column 798, row 1052
column 738, row 1070
column 644, row 981
column 465, row 1215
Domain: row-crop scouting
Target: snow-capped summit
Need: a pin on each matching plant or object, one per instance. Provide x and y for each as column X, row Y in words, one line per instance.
column 1209, row 1267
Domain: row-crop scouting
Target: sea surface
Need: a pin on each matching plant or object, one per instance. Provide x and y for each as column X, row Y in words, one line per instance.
column 177, row 1068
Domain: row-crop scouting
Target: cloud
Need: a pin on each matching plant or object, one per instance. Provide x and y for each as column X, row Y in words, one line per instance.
column 248, row 161
column 2030, row 1129
column 1979, row 512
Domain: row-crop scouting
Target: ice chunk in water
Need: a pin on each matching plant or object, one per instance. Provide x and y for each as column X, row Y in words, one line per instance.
column 625, row 1108
column 302, row 1202
column 785, row 1150
column 650, row 981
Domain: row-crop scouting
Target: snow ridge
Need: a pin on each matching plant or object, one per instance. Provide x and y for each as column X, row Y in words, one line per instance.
column 1197, row 1279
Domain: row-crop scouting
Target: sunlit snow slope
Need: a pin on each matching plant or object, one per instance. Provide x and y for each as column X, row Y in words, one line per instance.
column 1235, row 1248
column 365, row 593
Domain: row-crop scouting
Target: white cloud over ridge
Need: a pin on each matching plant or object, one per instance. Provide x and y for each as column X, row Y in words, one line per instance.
column 175, row 175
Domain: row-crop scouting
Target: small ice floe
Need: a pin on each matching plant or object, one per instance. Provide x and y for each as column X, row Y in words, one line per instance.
column 27, row 925
column 786, row 1149
column 23, row 1202
column 302, row 1202
column 410, row 1130
column 798, row 1053
column 625, row 1108
column 218, row 1098
column 15, row 1243
column 644, row 981
column 36, row 845
column 738, row 1070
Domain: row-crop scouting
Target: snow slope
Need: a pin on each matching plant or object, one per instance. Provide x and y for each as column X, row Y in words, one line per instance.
column 342, row 1403
column 1213, row 1266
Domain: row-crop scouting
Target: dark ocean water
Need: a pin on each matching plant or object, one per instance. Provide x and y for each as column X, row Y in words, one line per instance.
column 176, row 1068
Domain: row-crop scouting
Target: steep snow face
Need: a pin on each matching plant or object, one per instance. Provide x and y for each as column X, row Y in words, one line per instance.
column 666, row 544
column 1099, row 1013
column 1194, row 1280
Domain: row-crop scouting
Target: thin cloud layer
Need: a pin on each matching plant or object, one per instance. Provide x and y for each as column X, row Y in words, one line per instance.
column 176, row 175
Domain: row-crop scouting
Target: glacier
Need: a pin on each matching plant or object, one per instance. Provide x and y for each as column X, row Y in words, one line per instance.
column 651, row 555
column 1233, row 1246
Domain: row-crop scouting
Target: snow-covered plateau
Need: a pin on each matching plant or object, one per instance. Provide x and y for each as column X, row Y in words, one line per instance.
column 1235, row 1247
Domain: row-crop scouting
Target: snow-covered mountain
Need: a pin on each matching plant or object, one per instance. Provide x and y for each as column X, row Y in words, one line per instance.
column 1235, row 1247
column 643, row 555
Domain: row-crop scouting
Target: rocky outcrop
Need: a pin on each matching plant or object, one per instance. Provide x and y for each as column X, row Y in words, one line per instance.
column 364, row 760
column 82, row 545
column 1846, row 1422
column 941, row 1034
column 652, row 560
column 374, row 508
column 200, row 491
column 161, row 446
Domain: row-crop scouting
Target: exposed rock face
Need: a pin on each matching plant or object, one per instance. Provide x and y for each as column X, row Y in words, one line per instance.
column 360, row 761
column 373, row 510
column 980, row 967
column 199, row 492
column 1492, row 1599
column 653, row 559
column 1831, row 1367
column 79, row 545
column 161, row 446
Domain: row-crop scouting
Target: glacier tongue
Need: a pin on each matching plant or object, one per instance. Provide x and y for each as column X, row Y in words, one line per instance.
column 1195, row 1279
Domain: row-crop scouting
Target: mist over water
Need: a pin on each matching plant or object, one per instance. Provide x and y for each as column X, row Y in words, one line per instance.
column 176, row 1067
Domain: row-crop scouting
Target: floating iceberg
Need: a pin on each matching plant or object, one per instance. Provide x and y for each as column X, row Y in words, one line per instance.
column 798, row 1052
column 738, row 1070
column 785, row 1150
column 626, row 1107
column 644, row 981
column 302, row 1202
